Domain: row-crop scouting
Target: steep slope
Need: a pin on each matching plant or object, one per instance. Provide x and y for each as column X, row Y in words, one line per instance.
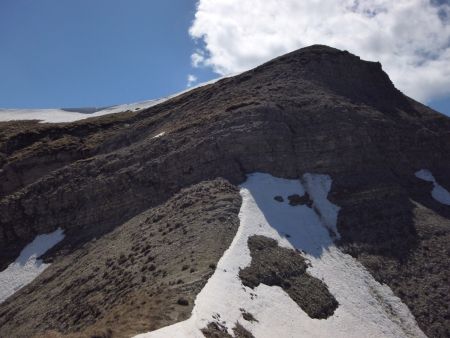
column 143, row 275
column 317, row 110
column 255, row 274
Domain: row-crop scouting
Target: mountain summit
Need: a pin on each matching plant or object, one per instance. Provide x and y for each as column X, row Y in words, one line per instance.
column 306, row 181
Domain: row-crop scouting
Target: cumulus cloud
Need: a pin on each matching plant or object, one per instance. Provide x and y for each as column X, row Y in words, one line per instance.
column 191, row 79
column 411, row 38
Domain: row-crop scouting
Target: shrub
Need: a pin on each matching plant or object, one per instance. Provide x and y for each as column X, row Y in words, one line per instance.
column 183, row 301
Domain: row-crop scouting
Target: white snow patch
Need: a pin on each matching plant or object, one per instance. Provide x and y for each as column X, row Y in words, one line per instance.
column 366, row 308
column 439, row 193
column 56, row 115
column 27, row 266
column 160, row 134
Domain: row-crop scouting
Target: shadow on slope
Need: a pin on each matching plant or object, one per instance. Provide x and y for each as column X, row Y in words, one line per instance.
column 307, row 228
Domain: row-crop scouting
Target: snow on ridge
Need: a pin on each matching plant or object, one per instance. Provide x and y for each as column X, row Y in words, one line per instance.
column 57, row 115
column 366, row 308
column 27, row 266
column 61, row 115
column 439, row 193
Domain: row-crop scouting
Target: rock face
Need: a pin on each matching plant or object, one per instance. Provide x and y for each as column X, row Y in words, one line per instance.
column 317, row 110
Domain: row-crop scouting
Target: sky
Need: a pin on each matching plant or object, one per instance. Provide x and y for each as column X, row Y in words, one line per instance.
column 94, row 53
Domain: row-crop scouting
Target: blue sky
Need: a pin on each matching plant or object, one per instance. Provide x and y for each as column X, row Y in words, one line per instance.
column 65, row 53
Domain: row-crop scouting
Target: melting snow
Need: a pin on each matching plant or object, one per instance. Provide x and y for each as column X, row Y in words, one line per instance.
column 27, row 266
column 159, row 135
column 439, row 193
column 366, row 308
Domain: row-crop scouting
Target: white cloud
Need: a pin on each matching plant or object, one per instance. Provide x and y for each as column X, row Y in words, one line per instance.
column 411, row 38
column 191, row 79
column 197, row 58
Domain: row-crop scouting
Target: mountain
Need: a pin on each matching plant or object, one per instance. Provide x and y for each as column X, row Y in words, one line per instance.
column 305, row 197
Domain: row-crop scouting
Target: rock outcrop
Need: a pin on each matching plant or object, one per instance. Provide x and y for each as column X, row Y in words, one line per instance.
column 273, row 265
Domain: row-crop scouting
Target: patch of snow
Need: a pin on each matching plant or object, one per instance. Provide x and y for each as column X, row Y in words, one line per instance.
column 61, row 115
column 439, row 193
column 160, row 134
column 56, row 115
column 366, row 308
column 27, row 266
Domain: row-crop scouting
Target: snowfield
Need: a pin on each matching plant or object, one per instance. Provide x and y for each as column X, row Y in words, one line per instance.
column 61, row 115
column 27, row 266
column 439, row 193
column 366, row 308
column 58, row 115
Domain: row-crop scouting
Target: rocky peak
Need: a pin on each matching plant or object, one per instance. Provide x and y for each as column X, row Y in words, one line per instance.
column 342, row 73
